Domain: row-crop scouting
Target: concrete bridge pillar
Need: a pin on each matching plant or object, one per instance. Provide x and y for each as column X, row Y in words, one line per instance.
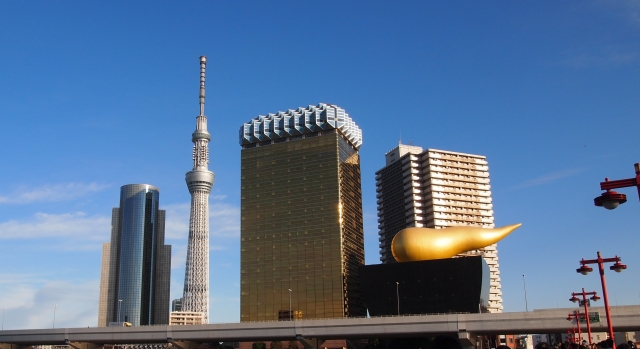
column 185, row 344
column 85, row 345
column 467, row 340
column 310, row 343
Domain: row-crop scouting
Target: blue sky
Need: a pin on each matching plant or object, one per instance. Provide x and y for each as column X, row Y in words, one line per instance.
column 94, row 96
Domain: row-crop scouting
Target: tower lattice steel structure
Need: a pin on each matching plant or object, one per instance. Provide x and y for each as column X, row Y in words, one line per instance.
column 199, row 180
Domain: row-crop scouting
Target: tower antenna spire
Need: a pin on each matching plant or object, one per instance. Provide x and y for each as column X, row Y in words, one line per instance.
column 203, row 65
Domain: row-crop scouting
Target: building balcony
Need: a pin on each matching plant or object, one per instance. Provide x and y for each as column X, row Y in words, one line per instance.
column 413, row 197
column 461, row 191
column 462, row 211
column 457, row 184
column 451, row 170
column 456, row 177
column 458, row 164
column 464, row 204
column 456, row 157
column 462, row 216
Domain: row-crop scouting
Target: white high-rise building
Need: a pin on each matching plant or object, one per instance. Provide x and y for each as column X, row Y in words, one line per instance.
column 436, row 189
column 200, row 181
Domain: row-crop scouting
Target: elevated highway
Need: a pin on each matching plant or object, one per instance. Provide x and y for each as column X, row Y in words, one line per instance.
column 625, row 318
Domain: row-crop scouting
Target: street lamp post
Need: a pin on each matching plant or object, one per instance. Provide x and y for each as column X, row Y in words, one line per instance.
column 611, row 199
column 3, row 309
column 617, row 267
column 290, row 314
column 576, row 315
column 524, row 283
column 398, row 296
column 585, row 302
column 119, row 305
column 54, row 315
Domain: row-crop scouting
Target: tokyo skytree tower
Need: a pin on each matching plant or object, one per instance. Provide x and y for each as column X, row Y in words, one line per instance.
column 199, row 180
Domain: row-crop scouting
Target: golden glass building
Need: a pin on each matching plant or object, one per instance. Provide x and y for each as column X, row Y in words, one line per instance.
column 301, row 230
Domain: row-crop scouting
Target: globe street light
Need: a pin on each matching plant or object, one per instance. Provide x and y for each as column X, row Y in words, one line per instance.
column 585, row 302
column 617, row 267
column 611, row 199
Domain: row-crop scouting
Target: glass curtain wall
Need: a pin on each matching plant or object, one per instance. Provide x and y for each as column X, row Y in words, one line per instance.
column 301, row 230
column 136, row 253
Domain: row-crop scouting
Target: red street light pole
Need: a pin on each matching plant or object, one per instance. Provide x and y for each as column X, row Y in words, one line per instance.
column 611, row 199
column 617, row 267
column 576, row 314
column 585, row 301
column 571, row 334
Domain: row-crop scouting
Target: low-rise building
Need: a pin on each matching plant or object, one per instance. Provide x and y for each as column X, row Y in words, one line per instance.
column 186, row 318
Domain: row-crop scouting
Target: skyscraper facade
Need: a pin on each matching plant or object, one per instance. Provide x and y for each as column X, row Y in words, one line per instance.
column 436, row 189
column 176, row 304
column 200, row 181
column 136, row 264
column 301, row 215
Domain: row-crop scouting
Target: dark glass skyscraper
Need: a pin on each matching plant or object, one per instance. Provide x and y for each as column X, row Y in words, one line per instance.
column 136, row 264
column 301, row 229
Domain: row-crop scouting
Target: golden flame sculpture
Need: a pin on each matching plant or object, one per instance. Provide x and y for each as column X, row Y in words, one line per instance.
column 421, row 244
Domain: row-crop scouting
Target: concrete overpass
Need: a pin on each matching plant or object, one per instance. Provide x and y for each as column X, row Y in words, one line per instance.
column 465, row 326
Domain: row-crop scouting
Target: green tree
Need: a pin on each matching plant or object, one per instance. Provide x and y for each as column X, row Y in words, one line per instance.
column 258, row 345
column 275, row 345
column 292, row 345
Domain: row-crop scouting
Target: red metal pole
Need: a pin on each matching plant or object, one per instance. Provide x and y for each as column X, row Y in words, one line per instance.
column 577, row 312
column 586, row 314
column 638, row 178
column 636, row 166
column 606, row 299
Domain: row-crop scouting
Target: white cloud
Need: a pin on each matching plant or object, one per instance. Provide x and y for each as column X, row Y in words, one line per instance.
column 50, row 193
column 224, row 220
column 625, row 9
column 31, row 304
column 603, row 56
column 550, row 178
column 78, row 225
column 178, row 256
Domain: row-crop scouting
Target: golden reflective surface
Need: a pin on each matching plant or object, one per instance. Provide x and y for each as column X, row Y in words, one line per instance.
column 420, row 244
column 301, row 229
